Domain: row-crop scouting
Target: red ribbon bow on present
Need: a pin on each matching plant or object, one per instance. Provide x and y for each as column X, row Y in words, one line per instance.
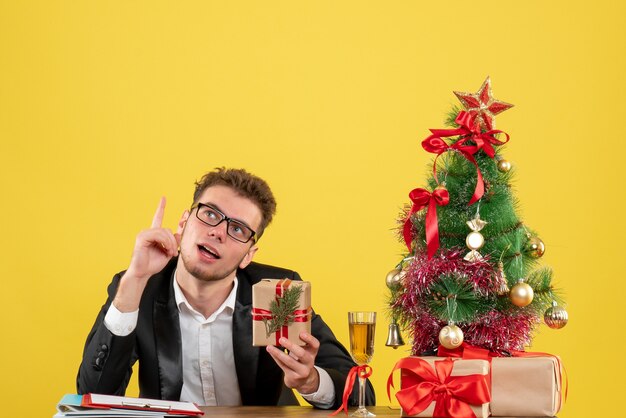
column 469, row 130
column 363, row 372
column 422, row 198
column 452, row 395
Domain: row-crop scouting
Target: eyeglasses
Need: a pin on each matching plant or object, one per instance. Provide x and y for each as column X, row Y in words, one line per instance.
column 213, row 217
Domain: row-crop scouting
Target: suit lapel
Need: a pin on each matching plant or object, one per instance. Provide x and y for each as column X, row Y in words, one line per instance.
column 246, row 356
column 168, row 342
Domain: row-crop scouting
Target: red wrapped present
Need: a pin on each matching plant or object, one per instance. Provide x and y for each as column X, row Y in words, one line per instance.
column 436, row 387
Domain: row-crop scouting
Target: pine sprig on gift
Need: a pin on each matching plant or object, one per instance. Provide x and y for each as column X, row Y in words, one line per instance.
column 282, row 309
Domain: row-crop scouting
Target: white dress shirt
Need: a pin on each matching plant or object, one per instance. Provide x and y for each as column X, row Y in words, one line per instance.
column 207, row 353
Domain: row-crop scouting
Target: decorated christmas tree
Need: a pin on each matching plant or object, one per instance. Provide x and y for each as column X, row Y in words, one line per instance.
column 471, row 271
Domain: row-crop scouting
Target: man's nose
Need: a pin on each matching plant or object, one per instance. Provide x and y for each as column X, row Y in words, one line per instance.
column 220, row 230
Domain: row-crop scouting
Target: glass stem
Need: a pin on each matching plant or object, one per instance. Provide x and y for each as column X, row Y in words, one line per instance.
column 361, row 392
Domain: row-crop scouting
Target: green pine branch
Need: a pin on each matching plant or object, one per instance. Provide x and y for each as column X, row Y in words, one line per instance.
column 453, row 299
column 541, row 282
column 451, row 116
column 282, row 309
column 543, row 292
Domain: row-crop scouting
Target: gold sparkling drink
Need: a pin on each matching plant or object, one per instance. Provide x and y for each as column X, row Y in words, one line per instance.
column 362, row 341
column 362, row 327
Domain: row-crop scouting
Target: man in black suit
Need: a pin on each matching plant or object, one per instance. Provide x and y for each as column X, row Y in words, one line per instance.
column 186, row 315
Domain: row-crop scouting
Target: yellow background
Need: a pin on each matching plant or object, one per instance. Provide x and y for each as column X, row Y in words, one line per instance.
column 107, row 105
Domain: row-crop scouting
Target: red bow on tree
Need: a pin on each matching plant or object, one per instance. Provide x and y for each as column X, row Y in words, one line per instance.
column 469, row 130
column 452, row 395
column 422, row 198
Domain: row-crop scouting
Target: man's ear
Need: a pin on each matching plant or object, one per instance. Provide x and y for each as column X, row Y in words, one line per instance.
column 247, row 259
column 182, row 222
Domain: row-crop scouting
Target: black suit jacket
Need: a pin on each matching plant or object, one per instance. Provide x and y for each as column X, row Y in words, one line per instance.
column 156, row 342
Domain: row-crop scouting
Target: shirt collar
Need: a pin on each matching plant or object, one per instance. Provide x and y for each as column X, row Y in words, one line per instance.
column 229, row 303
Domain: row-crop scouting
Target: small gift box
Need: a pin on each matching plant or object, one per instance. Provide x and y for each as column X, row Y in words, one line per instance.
column 434, row 386
column 280, row 308
column 525, row 386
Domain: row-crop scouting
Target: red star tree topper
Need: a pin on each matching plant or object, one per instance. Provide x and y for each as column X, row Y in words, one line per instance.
column 483, row 105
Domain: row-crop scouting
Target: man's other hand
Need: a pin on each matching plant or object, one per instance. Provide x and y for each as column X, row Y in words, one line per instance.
column 298, row 364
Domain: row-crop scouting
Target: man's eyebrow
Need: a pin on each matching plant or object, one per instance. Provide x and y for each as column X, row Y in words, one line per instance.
column 214, row 206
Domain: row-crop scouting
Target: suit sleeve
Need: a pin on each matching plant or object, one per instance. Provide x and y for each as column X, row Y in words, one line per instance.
column 107, row 361
column 333, row 357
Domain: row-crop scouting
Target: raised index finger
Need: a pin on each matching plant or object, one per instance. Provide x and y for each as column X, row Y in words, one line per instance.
column 158, row 216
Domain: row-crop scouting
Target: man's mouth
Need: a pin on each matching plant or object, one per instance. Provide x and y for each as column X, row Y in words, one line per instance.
column 208, row 252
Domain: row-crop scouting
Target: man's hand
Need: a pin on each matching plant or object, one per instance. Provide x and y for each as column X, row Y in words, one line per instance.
column 298, row 365
column 154, row 247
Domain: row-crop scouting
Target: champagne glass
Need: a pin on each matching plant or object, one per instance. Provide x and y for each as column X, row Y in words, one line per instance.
column 362, row 328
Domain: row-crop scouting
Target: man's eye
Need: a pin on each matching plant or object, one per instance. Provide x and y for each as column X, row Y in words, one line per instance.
column 237, row 230
column 210, row 214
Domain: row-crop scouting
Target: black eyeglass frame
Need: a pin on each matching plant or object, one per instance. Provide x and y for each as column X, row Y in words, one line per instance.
column 228, row 220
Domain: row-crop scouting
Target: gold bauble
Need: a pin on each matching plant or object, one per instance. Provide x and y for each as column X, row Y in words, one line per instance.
column 504, row 166
column 451, row 336
column 521, row 294
column 535, row 247
column 555, row 316
column 474, row 240
column 394, row 279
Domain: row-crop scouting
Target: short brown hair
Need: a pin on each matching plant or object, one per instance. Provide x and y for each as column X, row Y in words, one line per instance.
column 245, row 184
